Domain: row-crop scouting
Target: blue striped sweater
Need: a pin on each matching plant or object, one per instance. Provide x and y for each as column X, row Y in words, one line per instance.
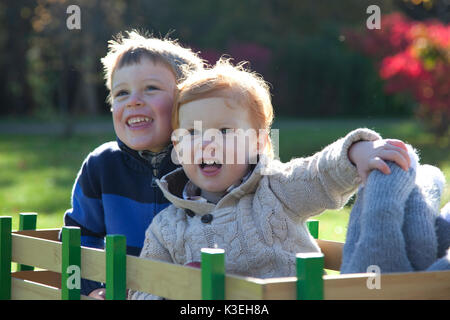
column 115, row 193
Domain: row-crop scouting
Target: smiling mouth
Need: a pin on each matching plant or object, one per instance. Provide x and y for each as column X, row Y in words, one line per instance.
column 210, row 167
column 138, row 121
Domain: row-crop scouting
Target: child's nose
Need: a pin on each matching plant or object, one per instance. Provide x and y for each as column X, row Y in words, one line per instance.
column 212, row 149
column 135, row 100
column 206, row 143
column 209, row 143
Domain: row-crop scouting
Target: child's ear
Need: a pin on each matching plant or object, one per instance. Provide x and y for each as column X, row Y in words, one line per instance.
column 263, row 141
column 259, row 147
column 175, row 151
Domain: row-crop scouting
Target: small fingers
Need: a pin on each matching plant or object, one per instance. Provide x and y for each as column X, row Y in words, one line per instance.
column 379, row 164
column 395, row 156
column 400, row 147
column 397, row 143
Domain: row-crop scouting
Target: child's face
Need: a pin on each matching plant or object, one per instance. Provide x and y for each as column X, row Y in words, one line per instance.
column 226, row 148
column 142, row 98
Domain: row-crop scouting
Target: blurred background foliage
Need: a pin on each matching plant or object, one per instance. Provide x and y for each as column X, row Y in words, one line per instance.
column 330, row 74
column 300, row 47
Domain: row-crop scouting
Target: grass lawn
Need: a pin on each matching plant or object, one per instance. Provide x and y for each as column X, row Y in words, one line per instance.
column 38, row 171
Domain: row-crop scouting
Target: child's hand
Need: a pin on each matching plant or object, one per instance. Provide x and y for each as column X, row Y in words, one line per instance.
column 369, row 155
column 98, row 294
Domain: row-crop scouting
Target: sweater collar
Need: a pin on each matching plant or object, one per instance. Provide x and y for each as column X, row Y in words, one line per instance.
column 192, row 192
column 145, row 158
column 173, row 184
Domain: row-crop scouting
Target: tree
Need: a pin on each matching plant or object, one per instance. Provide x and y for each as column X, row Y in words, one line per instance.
column 412, row 57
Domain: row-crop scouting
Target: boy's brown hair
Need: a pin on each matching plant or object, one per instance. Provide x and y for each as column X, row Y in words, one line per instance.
column 224, row 80
column 130, row 49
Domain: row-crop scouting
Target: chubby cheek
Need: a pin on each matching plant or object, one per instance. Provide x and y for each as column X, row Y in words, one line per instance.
column 119, row 123
column 162, row 107
column 190, row 171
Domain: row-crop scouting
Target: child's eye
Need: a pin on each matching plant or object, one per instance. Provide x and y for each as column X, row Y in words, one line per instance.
column 226, row 130
column 151, row 88
column 193, row 132
column 121, row 93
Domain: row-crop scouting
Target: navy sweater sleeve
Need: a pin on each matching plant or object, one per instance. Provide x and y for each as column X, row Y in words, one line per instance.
column 113, row 194
column 87, row 212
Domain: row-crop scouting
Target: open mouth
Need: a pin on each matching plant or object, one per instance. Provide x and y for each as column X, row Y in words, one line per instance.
column 138, row 122
column 210, row 168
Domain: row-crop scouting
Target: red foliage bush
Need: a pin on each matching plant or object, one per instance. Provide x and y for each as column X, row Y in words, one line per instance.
column 412, row 57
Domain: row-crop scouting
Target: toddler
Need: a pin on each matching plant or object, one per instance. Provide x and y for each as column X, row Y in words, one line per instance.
column 246, row 202
column 115, row 190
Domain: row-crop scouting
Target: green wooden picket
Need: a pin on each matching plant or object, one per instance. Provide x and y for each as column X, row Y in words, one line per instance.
column 310, row 276
column 313, row 227
column 71, row 263
column 213, row 274
column 27, row 221
column 5, row 257
column 116, row 263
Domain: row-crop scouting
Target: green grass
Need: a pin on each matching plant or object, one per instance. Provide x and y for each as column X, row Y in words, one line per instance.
column 38, row 171
column 37, row 174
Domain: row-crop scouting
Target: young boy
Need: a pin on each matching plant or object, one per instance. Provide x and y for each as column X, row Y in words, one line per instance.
column 257, row 216
column 115, row 190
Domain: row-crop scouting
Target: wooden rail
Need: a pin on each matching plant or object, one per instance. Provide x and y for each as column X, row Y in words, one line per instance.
column 41, row 249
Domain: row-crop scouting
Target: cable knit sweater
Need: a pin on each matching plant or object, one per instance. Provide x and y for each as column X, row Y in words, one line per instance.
column 261, row 224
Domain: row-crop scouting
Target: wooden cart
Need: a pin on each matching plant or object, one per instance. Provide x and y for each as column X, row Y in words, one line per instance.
column 57, row 267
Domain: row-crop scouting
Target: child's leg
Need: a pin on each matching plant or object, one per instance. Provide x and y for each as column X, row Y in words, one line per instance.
column 443, row 237
column 353, row 230
column 443, row 230
column 381, row 240
column 441, row 264
column 422, row 208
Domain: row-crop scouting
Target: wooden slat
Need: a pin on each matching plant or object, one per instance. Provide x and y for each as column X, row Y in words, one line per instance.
column 163, row 279
column 243, row 288
column 332, row 251
column 41, row 253
column 49, row 278
column 213, row 274
column 405, row 286
column 71, row 257
column 414, row 285
column 116, row 266
column 46, row 254
column 93, row 264
column 28, row 290
column 49, row 234
column 27, row 222
column 178, row 282
column 280, row 288
column 5, row 257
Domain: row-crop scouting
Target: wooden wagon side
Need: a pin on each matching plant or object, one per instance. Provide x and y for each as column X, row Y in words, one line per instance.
column 42, row 249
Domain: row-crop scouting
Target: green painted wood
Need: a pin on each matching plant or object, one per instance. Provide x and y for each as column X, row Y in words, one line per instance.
column 27, row 221
column 5, row 257
column 313, row 227
column 116, row 267
column 213, row 274
column 310, row 276
column 71, row 263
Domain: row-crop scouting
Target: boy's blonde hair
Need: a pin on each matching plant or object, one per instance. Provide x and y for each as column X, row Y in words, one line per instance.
column 130, row 49
column 224, row 80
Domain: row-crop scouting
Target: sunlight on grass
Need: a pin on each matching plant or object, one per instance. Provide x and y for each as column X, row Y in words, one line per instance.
column 38, row 172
